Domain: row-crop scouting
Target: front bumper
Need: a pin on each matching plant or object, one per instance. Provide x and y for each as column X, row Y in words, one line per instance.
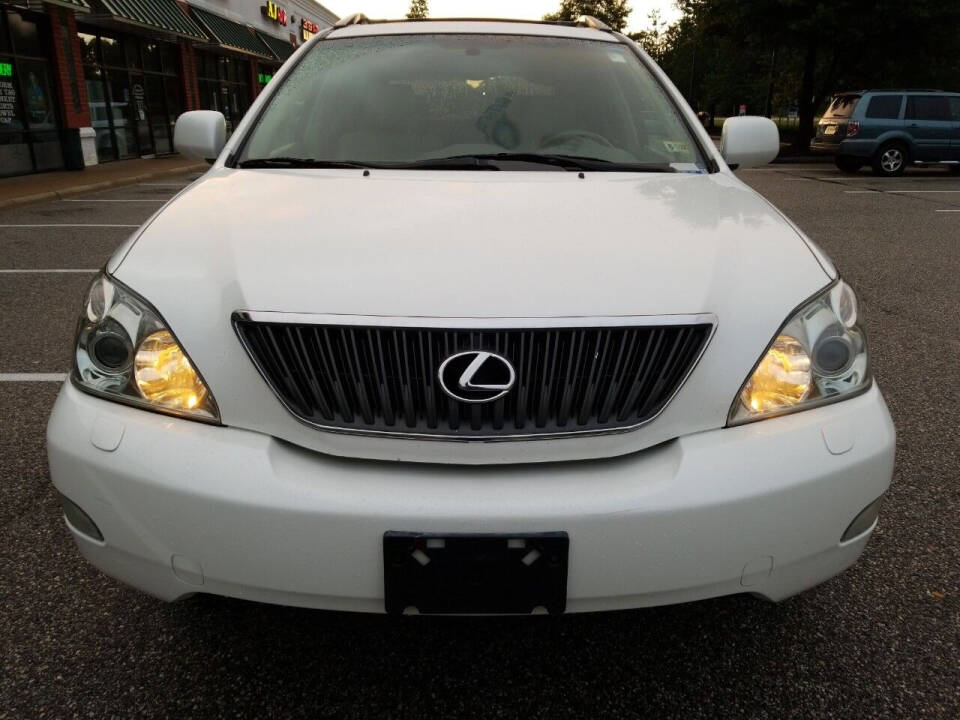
column 186, row 507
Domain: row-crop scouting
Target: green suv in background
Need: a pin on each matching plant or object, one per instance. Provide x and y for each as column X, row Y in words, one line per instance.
column 889, row 129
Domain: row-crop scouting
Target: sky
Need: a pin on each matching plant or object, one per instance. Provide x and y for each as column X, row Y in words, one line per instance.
column 526, row 9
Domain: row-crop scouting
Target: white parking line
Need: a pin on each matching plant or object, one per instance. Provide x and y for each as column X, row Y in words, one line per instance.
column 946, row 210
column 50, row 270
column 126, row 201
column 898, row 192
column 66, row 225
column 33, row 377
column 868, row 178
column 179, row 185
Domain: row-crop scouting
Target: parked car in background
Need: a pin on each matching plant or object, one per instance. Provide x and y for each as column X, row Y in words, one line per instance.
column 890, row 129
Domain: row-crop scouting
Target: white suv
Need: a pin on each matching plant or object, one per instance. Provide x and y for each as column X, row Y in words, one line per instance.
column 470, row 317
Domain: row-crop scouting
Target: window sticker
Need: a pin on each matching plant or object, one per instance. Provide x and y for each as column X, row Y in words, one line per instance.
column 690, row 168
column 676, row 146
column 616, row 57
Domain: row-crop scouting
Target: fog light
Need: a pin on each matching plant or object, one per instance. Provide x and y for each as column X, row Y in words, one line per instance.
column 864, row 520
column 78, row 519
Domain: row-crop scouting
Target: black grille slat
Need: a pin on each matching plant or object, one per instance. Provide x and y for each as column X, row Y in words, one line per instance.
column 649, row 352
column 305, row 364
column 384, row 379
column 339, row 390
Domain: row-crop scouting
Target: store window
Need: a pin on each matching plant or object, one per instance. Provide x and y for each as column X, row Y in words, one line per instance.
column 224, row 84
column 29, row 121
column 134, row 93
column 265, row 74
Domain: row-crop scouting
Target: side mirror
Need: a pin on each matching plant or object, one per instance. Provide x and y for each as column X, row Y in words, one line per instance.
column 749, row 141
column 200, row 134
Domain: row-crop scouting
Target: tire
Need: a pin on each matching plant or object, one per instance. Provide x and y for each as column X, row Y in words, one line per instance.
column 890, row 160
column 848, row 164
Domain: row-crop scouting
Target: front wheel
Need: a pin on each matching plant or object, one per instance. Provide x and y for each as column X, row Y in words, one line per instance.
column 890, row 160
column 848, row 164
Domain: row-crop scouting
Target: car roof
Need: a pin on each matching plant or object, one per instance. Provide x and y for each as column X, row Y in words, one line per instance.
column 585, row 28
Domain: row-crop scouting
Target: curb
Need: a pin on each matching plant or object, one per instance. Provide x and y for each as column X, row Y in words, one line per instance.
column 93, row 187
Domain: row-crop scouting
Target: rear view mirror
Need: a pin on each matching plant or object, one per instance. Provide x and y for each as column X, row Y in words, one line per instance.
column 749, row 141
column 200, row 134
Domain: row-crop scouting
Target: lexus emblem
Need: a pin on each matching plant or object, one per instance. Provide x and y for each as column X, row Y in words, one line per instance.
column 476, row 376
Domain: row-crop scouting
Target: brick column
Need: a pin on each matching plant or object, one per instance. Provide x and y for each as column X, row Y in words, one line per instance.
column 188, row 76
column 188, row 68
column 254, row 82
column 68, row 58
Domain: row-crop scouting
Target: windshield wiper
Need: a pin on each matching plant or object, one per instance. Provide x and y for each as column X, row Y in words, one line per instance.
column 483, row 161
column 294, row 162
column 564, row 162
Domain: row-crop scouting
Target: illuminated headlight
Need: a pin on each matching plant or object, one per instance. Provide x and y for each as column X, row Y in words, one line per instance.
column 819, row 356
column 125, row 352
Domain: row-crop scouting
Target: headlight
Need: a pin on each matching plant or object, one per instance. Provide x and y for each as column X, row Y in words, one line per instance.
column 819, row 356
column 125, row 352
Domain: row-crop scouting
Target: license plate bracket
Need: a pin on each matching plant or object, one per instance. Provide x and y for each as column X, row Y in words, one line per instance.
column 445, row 573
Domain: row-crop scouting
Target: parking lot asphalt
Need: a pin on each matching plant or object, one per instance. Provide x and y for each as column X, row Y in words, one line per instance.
column 882, row 640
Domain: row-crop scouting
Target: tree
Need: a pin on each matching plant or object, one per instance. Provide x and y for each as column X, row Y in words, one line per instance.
column 613, row 12
column 653, row 39
column 418, row 10
column 793, row 54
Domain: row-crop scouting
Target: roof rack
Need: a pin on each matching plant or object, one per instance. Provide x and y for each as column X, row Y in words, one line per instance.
column 587, row 21
column 355, row 19
column 591, row 22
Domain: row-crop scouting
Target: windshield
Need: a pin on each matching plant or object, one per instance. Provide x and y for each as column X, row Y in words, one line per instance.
column 412, row 99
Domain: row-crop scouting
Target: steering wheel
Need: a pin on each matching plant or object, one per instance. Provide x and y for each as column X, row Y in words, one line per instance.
column 561, row 138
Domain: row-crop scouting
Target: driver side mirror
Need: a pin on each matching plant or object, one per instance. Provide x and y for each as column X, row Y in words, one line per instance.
column 749, row 141
column 200, row 134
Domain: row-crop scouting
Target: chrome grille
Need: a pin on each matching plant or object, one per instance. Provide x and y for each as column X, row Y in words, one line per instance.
column 375, row 379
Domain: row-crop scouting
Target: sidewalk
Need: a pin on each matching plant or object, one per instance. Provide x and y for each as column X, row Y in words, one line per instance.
column 25, row 189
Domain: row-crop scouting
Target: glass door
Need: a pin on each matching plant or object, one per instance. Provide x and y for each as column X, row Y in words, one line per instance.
column 158, row 114
column 141, row 114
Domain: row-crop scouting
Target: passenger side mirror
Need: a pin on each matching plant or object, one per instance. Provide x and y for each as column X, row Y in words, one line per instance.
column 200, row 134
column 749, row 141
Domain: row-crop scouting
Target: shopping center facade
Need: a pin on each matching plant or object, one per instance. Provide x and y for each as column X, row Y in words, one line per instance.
column 93, row 81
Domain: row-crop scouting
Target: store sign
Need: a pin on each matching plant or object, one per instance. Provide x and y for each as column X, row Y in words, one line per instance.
column 8, row 97
column 264, row 78
column 6, row 70
column 274, row 12
column 308, row 29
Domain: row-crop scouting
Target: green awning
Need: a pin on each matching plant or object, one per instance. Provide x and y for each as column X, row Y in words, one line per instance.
column 164, row 15
column 281, row 48
column 75, row 5
column 231, row 35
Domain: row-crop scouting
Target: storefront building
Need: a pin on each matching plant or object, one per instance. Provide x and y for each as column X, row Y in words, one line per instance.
column 30, row 121
column 92, row 81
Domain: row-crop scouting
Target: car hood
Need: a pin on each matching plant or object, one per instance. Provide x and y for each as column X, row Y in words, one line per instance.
column 475, row 244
